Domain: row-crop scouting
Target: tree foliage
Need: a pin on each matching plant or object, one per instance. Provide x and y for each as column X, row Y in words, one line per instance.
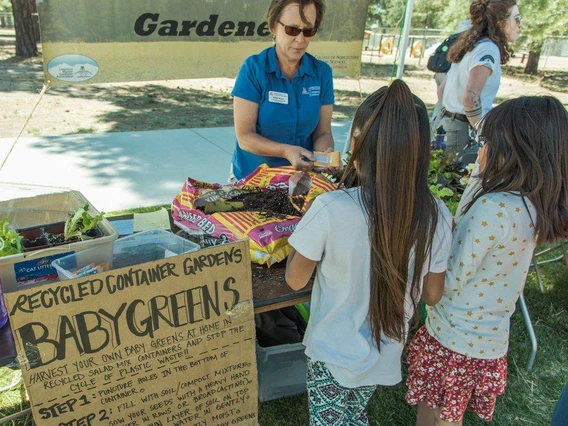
column 542, row 20
column 5, row 6
column 426, row 13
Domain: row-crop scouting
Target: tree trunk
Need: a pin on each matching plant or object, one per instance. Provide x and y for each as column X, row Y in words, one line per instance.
column 25, row 23
column 532, row 62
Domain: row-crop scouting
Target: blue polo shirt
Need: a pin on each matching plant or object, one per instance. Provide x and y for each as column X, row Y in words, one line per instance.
column 288, row 110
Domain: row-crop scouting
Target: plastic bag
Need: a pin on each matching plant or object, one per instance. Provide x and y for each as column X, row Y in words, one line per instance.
column 267, row 233
column 279, row 327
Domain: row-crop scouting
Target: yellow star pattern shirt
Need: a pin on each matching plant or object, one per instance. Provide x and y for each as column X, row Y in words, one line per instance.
column 492, row 247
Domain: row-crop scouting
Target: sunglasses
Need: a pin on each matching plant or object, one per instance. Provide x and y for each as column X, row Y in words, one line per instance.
column 481, row 141
column 519, row 20
column 294, row 31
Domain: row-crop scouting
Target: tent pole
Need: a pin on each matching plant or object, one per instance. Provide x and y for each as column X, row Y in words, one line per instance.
column 405, row 34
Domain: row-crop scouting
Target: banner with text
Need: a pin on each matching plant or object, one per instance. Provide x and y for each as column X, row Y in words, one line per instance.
column 100, row 41
column 170, row 342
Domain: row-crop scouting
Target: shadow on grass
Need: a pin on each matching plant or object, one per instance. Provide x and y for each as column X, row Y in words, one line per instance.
column 156, row 107
column 386, row 71
column 552, row 80
column 539, row 388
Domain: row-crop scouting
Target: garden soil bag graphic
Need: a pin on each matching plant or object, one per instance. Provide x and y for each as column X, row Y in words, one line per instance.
column 261, row 207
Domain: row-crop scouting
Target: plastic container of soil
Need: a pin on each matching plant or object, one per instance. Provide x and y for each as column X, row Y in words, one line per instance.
column 34, row 216
column 146, row 246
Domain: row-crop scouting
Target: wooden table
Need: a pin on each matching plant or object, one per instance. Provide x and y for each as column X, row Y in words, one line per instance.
column 269, row 288
column 270, row 291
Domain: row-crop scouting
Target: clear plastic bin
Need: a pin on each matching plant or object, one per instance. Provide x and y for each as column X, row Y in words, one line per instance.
column 146, row 246
column 21, row 271
column 281, row 371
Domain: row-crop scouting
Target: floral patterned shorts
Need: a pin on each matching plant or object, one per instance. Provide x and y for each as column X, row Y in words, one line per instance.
column 443, row 378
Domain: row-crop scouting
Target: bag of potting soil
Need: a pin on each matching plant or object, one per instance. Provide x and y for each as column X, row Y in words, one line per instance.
column 257, row 207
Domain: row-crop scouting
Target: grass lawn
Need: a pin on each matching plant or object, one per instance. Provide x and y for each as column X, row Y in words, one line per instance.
column 529, row 398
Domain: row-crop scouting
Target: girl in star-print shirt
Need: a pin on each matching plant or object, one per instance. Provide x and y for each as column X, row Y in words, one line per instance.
column 458, row 359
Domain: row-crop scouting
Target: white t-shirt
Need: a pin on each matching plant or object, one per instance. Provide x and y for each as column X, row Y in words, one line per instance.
column 492, row 248
column 335, row 233
column 484, row 53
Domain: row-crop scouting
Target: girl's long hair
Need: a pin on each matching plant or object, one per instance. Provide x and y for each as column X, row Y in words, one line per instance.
column 389, row 161
column 527, row 151
column 486, row 17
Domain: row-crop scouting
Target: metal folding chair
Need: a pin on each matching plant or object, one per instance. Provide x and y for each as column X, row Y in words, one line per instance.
column 523, row 303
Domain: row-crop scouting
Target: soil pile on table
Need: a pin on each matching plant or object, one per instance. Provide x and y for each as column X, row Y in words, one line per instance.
column 271, row 203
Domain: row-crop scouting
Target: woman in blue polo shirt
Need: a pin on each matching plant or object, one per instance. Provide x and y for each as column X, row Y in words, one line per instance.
column 283, row 97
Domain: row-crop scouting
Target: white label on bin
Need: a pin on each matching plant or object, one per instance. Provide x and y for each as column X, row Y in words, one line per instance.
column 37, row 270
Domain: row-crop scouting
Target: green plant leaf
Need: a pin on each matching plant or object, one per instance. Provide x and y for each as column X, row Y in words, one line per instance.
column 79, row 222
column 10, row 240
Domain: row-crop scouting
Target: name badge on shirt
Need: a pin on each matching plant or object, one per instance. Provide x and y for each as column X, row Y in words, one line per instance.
column 278, row 97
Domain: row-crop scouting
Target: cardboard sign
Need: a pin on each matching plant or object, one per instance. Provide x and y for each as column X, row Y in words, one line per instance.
column 170, row 342
column 100, row 41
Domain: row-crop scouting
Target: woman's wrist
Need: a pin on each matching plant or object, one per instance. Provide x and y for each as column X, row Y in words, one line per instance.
column 473, row 116
column 473, row 121
column 324, row 142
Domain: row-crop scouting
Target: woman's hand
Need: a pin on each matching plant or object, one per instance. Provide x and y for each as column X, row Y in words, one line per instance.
column 331, row 170
column 300, row 158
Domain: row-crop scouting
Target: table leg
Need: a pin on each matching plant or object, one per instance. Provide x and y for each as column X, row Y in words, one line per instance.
column 530, row 330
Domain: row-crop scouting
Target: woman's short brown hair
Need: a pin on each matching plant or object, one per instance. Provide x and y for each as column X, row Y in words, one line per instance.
column 277, row 6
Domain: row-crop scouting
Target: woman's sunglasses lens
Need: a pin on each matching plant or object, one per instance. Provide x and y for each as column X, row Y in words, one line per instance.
column 293, row 31
column 310, row 32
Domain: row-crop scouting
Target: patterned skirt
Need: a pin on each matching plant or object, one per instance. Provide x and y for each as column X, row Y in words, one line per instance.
column 455, row 382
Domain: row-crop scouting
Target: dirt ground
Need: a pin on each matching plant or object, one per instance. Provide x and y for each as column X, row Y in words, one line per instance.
column 140, row 106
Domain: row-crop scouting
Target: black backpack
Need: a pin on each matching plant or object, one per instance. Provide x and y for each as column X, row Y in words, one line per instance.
column 438, row 62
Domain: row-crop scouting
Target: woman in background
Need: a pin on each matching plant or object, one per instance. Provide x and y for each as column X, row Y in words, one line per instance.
column 472, row 82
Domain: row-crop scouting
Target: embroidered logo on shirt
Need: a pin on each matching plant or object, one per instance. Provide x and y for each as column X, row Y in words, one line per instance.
column 487, row 58
column 311, row 91
column 278, row 97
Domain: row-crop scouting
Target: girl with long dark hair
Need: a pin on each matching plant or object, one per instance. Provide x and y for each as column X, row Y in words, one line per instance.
column 458, row 360
column 379, row 245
